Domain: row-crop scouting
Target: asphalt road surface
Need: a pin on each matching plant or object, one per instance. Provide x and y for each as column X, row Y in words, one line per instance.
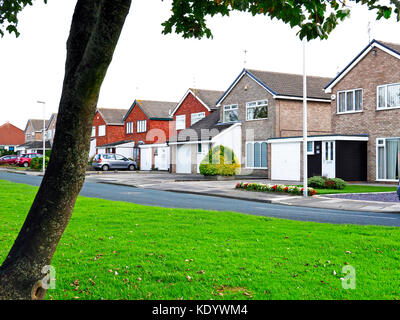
column 178, row 200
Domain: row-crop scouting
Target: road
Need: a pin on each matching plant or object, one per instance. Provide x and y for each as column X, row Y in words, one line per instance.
column 178, row 200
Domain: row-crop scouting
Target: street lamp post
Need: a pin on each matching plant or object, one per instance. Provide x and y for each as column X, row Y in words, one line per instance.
column 305, row 166
column 43, row 135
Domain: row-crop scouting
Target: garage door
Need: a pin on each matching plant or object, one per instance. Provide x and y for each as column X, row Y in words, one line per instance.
column 183, row 159
column 285, row 161
column 145, row 159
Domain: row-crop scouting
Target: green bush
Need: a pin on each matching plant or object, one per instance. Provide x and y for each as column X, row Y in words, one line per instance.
column 214, row 163
column 316, row 182
column 339, row 183
column 329, row 184
column 37, row 163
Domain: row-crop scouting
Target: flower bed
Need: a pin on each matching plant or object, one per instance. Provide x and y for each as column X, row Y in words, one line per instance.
column 274, row 188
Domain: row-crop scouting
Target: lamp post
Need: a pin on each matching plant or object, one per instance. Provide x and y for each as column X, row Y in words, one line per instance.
column 305, row 173
column 43, row 134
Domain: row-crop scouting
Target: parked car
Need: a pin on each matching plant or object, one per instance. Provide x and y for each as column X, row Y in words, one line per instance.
column 111, row 161
column 24, row 160
column 9, row 159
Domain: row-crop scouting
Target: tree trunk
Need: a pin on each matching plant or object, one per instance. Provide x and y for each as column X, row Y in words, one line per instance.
column 95, row 30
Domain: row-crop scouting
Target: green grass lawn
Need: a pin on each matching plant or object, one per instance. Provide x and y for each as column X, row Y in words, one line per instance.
column 116, row 250
column 357, row 189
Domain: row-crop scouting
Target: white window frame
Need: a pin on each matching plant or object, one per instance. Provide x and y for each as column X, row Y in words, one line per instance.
column 101, row 130
column 386, row 96
column 180, row 122
column 254, row 142
column 312, row 152
column 345, row 101
column 141, row 126
column 259, row 103
column 199, row 115
column 93, row 131
column 384, row 158
column 230, row 108
column 129, row 127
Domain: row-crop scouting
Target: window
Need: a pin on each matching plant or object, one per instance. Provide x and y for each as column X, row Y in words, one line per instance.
column 180, row 122
column 257, row 110
column 231, row 113
column 129, row 127
column 121, row 158
column 257, row 155
column 388, row 96
column 141, row 126
column 388, row 158
column 349, row 101
column 199, row 148
column 93, row 131
column 329, row 148
column 310, row 147
column 102, row 130
column 196, row 117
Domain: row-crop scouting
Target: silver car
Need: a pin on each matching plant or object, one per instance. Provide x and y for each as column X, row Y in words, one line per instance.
column 112, row 161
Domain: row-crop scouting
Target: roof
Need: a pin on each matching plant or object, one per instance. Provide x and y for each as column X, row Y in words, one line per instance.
column 391, row 48
column 154, row 110
column 205, row 129
column 208, row 98
column 35, row 145
column 114, row 144
column 284, row 85
column 112, row 116
column 10, row 135
column 325, row 137
column 53, row 116
column 37, row 124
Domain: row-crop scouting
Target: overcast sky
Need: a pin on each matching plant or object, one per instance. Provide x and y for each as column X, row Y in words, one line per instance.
column 149, row 65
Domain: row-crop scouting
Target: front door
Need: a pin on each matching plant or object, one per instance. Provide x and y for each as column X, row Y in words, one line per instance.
column 328, row 159
column 161, row 158
column 183, row 158
column 145, row 158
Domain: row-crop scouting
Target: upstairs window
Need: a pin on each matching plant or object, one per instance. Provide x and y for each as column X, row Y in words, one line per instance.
column 180, row 122
column 141, row 126
column 231, row 113
column 257, row 110
column 196, row 117
column 102, row 131
column 129, row 127
column 349, row 101
column 388, row 96
column 93, row 131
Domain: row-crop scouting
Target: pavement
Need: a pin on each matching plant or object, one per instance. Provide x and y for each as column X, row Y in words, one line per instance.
column 197, row 184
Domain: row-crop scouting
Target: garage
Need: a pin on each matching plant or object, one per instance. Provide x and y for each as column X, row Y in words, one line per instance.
column 285, row 161
column 183, row 158
column 161, row 158
column 145, row 158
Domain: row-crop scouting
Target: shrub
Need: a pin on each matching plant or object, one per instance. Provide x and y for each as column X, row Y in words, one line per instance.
column 220, row 161
column 274, row 188
column 37, row 163
column 339, row 183
column 316, row 182
column 329, row 184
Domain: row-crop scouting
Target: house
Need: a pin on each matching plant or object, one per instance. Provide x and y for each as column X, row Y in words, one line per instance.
column 147, row 126
column 195, row 105
column 269, row 105
column 366, row 100
column 10, row 137
column 51, row 128
column 34, row 137
column 108, row 128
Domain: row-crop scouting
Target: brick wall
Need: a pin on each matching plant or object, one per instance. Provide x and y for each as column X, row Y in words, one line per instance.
column 113, row 133
column 371, row 71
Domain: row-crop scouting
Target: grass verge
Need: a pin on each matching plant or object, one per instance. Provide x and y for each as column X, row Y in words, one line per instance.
column 357, row 189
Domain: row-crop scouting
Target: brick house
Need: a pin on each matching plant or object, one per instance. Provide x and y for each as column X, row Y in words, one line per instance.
column 11, row 137
column 51, row 128
column 366, row 100
column 268, row 105
column 147, row 127
column 195, row 105
column 33, row 137
column 108, row 127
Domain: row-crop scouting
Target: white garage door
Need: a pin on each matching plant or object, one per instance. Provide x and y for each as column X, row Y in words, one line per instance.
column 285, row 161
column 183, row 159
column 161, row 158
column 145, row 158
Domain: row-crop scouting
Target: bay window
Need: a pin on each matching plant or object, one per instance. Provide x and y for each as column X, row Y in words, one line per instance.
column 349, row 101
column 387, row 158
column 231, row 113
column 257, row 155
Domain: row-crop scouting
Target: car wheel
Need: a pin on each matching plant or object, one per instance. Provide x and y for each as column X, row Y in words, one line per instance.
column 105, row 167
column 131, row 167
column 26, row 164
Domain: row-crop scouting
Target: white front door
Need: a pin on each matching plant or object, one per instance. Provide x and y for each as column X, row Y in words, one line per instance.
column 145, row 158
column 183, row 159
column 161, row 158
column 202, row 151
column 328, row 159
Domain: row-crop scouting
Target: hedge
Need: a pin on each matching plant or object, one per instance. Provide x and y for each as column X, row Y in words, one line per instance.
column 220, row 161
column 326, row 183
column 37, row 163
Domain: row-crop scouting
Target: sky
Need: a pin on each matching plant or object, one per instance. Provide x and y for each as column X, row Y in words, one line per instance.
column 150, row 66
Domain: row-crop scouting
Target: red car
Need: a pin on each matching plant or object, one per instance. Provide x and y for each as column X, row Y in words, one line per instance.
column 25, row 159
column 9, row 159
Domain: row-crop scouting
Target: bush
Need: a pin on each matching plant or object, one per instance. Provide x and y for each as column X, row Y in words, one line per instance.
column 220, row 161
column 329, row 184
column 339, row 183
column 37, row 163
column 274, row 188
column 316, row 182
